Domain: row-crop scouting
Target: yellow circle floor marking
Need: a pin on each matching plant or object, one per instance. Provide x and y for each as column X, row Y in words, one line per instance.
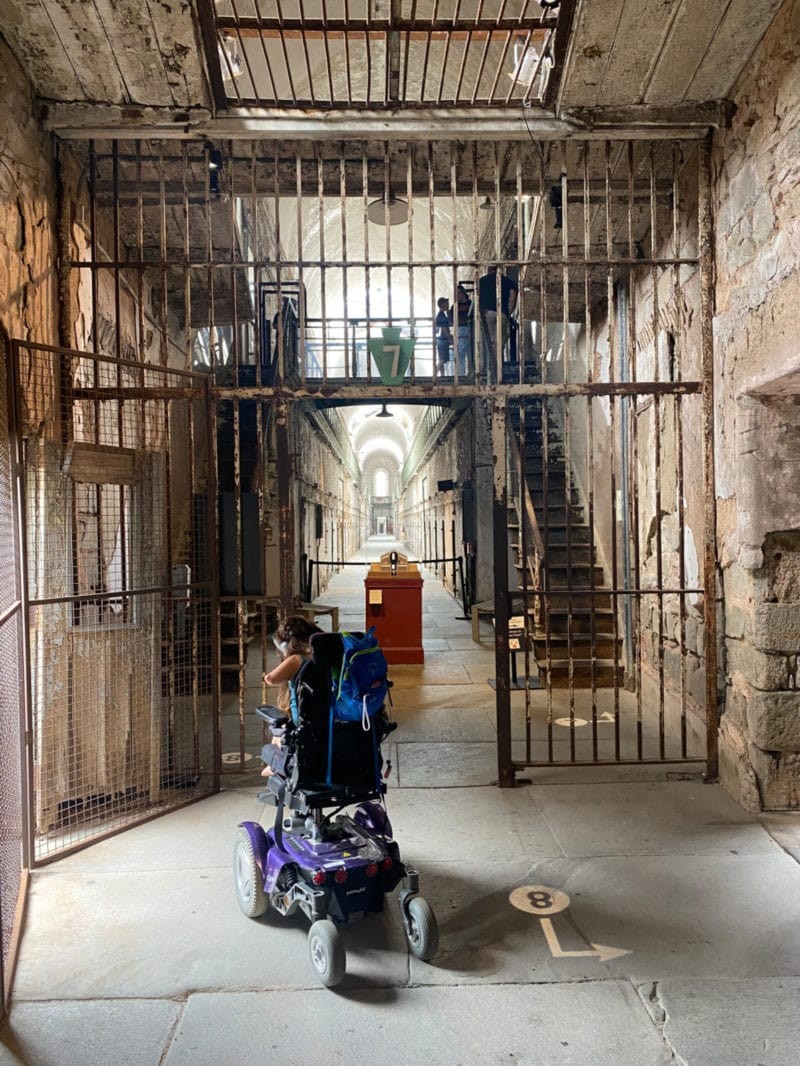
column 539, row 900
column 235, row 757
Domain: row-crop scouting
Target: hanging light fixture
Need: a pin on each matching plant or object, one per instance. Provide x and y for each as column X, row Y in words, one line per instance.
column 384, row 412
column 487, row 205
column 525, row 61
column 229, row 59
column 397, row 210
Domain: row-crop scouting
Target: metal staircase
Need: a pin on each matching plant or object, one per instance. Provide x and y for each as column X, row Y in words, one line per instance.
column 572, row 627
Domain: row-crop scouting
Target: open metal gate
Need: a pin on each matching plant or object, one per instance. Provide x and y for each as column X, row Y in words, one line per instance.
column 117, row 537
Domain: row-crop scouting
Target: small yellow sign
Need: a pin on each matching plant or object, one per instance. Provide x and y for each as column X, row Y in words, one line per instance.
column 376, row 595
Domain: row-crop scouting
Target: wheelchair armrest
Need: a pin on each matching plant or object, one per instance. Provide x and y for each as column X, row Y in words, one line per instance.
column 273, row 715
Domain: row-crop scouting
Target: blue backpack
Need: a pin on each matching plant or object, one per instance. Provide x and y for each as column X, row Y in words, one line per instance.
column 362, row 685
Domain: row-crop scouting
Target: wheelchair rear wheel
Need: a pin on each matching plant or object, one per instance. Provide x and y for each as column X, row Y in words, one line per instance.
column 250, row 893
column 327, row 953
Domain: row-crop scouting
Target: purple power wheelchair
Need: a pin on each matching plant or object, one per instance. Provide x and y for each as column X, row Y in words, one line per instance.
column 334, row 867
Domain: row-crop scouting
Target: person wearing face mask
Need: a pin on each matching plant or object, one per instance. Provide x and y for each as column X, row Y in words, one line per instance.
column 292, row 641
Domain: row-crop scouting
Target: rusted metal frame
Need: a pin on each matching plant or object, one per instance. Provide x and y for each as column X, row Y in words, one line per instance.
column 286, row 539
column 195, row 641
column 168, row 599
column 678, row 374
column 462, row 66
column 304, row 39
column 612, row 348
column 365, row 203
column 264, row 52
column 20, row 525
column 282, row 368
column 656, row 327
column 593, row 641
column 706, row 248
column 563, row 32
column 505, row 771
column 410, row 250
column 95, row 317
column 553, row 261
column 567, row 435
column 431, row 225
column 103, row 597
column 326, row 42
column 240, row 604
column 234, row 239
column 253, row 26
column 633, row 472
column 343, row 218
column 428, row 37
column 497, row 369
column 109, row 391
column 346, row 39
column 518, row 766
column 392, row 52
column 454, row 284
column 481, row 66
column 243, row 51
column 520, row 308
column 118, row 340
column 387, row 193
column 285, row 53
column 162, row 220
column 323, row 268
column 207, row 19
column 500, row 64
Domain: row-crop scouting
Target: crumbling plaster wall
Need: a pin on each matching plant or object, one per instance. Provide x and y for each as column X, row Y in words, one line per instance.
column 757, row 355
column 28, row 276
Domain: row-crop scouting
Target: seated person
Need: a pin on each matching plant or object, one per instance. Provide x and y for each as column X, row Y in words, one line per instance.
column 292, row 641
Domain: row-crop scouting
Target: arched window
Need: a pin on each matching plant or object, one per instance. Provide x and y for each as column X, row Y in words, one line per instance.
column 381, row 484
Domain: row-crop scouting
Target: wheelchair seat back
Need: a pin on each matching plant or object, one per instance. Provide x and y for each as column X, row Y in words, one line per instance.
column 330, row 752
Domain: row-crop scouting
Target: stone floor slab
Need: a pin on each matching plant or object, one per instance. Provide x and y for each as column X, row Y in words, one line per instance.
column 729, row 1023
column 603, row 1024
column 680, row 817
column 89, row 1033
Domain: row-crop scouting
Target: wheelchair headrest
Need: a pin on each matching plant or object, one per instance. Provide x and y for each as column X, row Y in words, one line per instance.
column 327, row 649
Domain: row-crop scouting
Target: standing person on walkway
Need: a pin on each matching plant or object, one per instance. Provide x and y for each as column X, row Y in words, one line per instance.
column 444, row 336
column 487, row 305
column 464, row 331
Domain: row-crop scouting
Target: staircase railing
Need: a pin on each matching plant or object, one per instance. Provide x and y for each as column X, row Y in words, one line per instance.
column 530, row 533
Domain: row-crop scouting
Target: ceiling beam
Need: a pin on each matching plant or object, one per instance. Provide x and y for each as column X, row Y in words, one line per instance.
column 642, row 121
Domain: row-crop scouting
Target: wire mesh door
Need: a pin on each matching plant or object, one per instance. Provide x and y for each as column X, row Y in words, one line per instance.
column 115, row 477
column 12, row 691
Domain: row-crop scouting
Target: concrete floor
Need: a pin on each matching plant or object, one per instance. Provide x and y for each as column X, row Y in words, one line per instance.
column 668, row 931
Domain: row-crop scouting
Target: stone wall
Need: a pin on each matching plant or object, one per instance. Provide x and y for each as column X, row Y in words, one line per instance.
column 28, row 279
column 757, row 355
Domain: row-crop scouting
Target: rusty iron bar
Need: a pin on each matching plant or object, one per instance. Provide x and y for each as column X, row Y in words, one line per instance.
column 706, row 248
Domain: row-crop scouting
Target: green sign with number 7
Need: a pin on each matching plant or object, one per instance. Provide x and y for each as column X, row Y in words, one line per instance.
column 392, row 354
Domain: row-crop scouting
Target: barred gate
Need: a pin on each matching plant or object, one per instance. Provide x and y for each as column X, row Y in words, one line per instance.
column 117, row 484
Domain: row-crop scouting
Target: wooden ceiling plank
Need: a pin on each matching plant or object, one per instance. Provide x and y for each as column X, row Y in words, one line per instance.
column 136, row 49
column 684, row 50
column 745, row 23
column 593, row 34
column 33, row 39
column 640, row 35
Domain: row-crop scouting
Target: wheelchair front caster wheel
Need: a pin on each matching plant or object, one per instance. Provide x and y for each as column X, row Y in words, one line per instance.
column 327, row 953
column 421, row 928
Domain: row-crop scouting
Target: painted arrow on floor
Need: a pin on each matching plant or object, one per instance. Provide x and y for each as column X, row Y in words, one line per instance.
column 543, row 900
column 599, row 951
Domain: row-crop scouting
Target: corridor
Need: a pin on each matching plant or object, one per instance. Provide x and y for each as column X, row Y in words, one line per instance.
column 606, row 915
